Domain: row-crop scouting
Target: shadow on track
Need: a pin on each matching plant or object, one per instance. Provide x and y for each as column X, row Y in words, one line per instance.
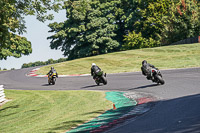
column 145, row 86
column 170, row 116
column 89, row 86
column 46, row 85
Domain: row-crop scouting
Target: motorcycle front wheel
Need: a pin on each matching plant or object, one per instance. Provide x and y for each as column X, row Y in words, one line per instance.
column 49, row 81
column 53, row 81
column 96, row 82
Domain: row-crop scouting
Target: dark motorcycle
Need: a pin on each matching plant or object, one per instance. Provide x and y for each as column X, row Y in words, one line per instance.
column 52, row 79
column 156, row 76
column 100, row 78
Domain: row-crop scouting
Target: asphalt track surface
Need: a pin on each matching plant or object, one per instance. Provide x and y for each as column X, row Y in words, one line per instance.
column 176, row 110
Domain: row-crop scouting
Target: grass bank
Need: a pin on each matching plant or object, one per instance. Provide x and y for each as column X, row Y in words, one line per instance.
column 166, row 57
column 49, row 111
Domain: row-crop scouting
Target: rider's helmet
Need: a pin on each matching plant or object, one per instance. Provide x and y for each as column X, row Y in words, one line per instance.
column 93, row 64
column 144, row 62
column 52, row 68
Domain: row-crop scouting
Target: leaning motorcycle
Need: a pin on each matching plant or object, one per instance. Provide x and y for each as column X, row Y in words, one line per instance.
column 156, row 76
column 100, row 78
column 52, row 79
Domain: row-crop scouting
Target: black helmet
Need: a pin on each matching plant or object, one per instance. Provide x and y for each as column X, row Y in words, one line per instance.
column 52, row 68
column 144, row 62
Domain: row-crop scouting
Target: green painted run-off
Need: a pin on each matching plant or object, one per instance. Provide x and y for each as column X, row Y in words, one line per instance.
column 123, row 105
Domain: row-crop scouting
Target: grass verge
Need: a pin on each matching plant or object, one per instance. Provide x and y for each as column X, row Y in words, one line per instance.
column 166, row 57
column 50, row 111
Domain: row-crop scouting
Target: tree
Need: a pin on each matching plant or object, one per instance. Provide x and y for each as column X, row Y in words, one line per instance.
column 182, row 21
column 135, row 41
column 93, row 27
column 89, row 29
column 12, row 24
column 147, row 25
column 163, row 22
column 24, row 65
column 50, row 61
column 149, row 14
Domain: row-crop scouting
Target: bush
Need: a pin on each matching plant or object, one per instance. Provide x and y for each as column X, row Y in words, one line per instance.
column 136, row 41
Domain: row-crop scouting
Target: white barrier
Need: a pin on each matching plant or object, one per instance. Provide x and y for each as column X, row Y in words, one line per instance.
column 2, row 94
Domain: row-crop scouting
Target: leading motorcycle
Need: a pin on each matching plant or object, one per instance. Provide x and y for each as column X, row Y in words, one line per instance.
column 52, row 78
column 156, row 76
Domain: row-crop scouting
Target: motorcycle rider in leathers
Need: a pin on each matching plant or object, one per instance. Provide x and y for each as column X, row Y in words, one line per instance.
column 94, row 70
column 52, row 71
column 146, row 69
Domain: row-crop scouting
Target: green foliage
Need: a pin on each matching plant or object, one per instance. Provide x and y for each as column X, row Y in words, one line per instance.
column 181, row 22
column 100, row 26
column 163, row 22
column 148, row 25
column 93, row 27
column 89, row 29
column 12, row 24
column 41, row 63
column 135, row 41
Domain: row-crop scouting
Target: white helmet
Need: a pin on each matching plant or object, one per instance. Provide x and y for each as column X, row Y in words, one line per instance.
column 93, row 64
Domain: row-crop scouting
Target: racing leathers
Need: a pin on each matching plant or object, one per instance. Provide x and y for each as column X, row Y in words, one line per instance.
column 146, row 69
column 94, row 71
column 51, row 72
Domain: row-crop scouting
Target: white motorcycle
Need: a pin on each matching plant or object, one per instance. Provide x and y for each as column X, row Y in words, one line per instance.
column 156, row 76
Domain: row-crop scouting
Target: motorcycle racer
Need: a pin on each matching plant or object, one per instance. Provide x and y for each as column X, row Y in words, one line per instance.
column 95, row 70
column 146, row 69
column 52, row 71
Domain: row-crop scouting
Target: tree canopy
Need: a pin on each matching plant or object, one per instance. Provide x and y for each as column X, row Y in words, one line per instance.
column 162, row 22
column 182, row 21
column 100, row 26
column 12, row 24
column 95, row 27
column 92, row 27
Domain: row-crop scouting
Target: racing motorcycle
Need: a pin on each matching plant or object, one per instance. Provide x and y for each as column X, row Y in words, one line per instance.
column 52, row 78
column 100, row 78
column 156, row 76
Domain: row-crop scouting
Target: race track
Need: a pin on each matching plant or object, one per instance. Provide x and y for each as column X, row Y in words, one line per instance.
column 177, row 110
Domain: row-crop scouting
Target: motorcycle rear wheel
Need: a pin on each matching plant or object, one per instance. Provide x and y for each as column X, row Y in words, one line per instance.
column 160, row 79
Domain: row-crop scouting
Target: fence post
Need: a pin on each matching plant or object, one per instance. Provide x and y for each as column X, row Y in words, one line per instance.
column 2, row 94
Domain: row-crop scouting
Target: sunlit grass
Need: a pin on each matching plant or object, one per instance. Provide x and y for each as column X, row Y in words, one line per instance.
column 49, row 111
column 167, row 57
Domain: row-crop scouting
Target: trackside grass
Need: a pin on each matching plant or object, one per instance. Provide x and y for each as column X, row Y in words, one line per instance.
column 49, row 111
column 166, row 57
